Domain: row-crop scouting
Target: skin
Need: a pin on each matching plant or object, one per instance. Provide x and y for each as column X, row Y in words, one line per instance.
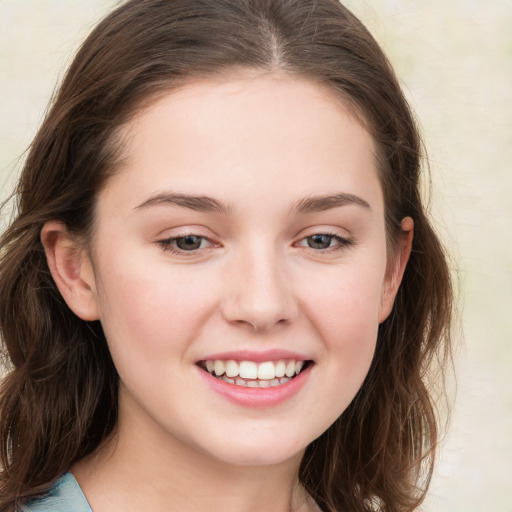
column 258, row 144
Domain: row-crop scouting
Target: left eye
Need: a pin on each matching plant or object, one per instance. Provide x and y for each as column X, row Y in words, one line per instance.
column 323, row 241
column 186, row 243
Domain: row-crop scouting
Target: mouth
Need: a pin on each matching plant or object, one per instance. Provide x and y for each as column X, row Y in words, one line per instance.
column 251, row 374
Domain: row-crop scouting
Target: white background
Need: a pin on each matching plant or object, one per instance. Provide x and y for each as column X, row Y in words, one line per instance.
column 454, row 58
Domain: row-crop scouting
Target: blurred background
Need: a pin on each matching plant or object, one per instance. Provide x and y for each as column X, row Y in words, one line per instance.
column 454, row 60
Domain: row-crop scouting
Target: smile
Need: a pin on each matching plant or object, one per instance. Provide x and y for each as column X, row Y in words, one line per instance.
column 254, row 375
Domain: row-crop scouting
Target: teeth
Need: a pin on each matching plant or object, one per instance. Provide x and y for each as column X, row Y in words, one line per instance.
column 219, row 367
column 256, row 383
column 231, row 368
column 248, row 370
column 280, row 369
column 290, row 369
column 251, row 374
column 266, row 371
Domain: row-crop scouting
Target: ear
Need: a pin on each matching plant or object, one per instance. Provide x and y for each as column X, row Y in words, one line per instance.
column 71, row 269
column 396, row 268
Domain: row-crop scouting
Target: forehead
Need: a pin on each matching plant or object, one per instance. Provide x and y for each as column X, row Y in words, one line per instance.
column 240, row 136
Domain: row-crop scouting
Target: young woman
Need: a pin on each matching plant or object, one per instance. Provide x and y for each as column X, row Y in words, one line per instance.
column 221, row 290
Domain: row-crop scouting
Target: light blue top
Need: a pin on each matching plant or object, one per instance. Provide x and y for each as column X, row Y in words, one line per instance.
column 64, row 496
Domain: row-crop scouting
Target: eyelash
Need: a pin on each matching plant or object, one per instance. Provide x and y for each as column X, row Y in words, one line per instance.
column 343, row 243
column 168, row 244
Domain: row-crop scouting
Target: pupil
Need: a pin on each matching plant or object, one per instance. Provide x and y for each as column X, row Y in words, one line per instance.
column 320, row 241
column 189, row 243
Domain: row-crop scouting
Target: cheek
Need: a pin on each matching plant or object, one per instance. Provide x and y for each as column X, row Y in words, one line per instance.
column 347, row 298
column 349, row 328
column 344, row 309
column 144, row 305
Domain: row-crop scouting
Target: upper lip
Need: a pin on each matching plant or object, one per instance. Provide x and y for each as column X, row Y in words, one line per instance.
column 256, row 356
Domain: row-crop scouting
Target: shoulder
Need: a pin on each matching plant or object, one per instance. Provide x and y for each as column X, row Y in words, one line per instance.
column 64, row 496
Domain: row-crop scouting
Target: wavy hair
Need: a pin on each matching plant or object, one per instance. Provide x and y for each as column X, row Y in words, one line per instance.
column 58, row 400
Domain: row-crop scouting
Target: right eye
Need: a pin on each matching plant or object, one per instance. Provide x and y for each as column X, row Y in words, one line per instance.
column 185, row 244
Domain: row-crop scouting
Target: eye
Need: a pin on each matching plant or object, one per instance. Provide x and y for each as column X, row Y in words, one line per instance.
column 325, row 242
column 184, row 244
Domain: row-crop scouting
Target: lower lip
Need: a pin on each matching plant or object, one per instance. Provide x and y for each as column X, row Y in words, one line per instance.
column 257, row 397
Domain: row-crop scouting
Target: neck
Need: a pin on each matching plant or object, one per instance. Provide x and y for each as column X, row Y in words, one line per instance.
column 135, row 471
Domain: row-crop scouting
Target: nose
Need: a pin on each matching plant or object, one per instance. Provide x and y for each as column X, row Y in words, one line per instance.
column 259, row 292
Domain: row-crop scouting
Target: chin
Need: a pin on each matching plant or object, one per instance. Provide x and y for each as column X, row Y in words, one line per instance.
column 243, row 452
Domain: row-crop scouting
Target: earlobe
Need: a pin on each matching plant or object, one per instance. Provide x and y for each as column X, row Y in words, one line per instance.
column 396, row 269
column 71, row 270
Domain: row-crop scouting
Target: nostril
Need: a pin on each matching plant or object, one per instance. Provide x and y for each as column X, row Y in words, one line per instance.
column 261, row 303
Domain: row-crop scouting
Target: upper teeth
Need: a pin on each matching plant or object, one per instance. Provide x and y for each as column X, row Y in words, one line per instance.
column 266, row 370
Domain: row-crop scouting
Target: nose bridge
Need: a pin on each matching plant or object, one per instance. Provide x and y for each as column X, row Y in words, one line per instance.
column 260, row 292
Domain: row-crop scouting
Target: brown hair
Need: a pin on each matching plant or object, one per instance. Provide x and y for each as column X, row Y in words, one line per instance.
column 59, row 400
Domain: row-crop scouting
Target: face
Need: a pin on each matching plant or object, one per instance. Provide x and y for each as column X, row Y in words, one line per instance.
column 244, row 236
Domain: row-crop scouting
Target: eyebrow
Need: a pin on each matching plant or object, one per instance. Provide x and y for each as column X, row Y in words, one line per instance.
column 198, row 203
column 312, row 204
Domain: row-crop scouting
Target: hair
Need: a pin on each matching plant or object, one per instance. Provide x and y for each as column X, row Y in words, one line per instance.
column 59, row 400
